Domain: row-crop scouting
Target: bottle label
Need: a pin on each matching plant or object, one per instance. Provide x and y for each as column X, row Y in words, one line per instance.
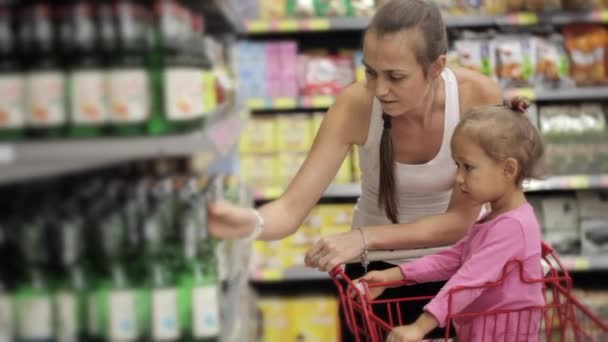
column 165, row 324
column 36, row 318
column 206, row 312
column 6, row 318
column 128, row 96
column 11, row 101
column 88, row 97
column 45, row 99
column 123, row 315
column 183, row 92
column 67, row 326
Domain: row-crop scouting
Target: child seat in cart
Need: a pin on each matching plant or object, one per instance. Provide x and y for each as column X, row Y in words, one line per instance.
column 562, row 317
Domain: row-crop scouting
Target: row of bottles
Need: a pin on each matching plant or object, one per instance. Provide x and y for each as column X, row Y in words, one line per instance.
column 83, row 68
column 119, row 260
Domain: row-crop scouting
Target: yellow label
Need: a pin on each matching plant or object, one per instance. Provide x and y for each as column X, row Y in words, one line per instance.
column 272, row 275
column 284, row 103
column 272, row 192
column 360, row 74
column 322, row 101
column 582, row 264
column 288, row 25
column 318, row 24
column 527, row 19
column 579, row 182
column 604, row 16
column 256, row 103
column 528, row 93
column 257, row 26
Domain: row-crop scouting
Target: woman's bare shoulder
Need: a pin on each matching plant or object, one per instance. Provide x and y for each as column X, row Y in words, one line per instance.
column 476, row 89
column 352, row 109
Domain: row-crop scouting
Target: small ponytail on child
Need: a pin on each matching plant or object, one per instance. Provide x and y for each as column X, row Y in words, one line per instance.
column 518, row 104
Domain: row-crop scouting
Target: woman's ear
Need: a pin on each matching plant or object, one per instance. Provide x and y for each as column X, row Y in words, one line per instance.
column 511, row 169
column 438, row 66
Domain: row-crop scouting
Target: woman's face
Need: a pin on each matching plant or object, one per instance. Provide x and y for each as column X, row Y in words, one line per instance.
column 393, row 72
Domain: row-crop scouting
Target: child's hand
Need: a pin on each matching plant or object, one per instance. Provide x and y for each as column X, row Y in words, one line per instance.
column 391, row 274
column 406, row 333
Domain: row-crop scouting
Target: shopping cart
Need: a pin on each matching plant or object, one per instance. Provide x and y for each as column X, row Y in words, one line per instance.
column 561, row 318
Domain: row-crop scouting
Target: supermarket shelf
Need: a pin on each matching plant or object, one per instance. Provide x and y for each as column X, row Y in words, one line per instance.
column 288, row 103
column 585, row 263
column 296, row 273
column 221, row 16
column 574, row 182
column 256, row 27
column 334, row 191
column 539, row 95
column 26, row 160
column 571, row 182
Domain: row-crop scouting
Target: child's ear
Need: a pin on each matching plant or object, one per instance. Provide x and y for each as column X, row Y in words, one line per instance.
column 511, row 169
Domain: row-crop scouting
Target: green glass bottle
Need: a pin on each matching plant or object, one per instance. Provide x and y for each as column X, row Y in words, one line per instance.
column 71, row 286
column 87, row 78
column 6, row 296
column 12, row 117
column 33, row 296
column 45, row 80
column 126, row 47
column 115, row 307
column 175, row 84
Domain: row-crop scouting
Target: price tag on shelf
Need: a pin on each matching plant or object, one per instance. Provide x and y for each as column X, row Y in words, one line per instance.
column 322, row 101
column 582, row 264
column 528, row 93
column 525, row 18
column 315, row 25
column 256, row 103
column 284, row 103
column 257, row 26
column 7, row 154
column 288, row 25
column 579, row 182
column 271, row 275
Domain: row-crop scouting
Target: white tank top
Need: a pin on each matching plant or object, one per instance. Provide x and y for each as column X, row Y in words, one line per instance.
column 423, row 189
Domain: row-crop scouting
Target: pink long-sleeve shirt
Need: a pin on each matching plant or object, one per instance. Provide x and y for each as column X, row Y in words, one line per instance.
column 479, row 258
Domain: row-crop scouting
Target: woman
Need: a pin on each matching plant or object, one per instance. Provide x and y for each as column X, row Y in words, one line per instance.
column 402, row 119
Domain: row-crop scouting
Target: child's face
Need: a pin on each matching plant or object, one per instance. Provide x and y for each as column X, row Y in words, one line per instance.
column 479, row 176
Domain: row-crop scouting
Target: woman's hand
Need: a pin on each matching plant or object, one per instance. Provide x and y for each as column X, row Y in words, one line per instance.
column 406, row 333
column 228, row 221
column 374, row 277
column 333, row 250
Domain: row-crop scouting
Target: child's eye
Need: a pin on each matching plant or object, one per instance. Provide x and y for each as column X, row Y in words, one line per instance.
column 369, row 73
column 396, row 77
column 467, row 167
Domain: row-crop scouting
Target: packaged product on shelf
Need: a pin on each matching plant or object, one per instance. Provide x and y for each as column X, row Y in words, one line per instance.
column 275, row 319
column 12, row 96
column 336, row 218
column 552, row 68
column 45, row 80
column 515, row 6
column 260, row 170
column 362, row 8
column 592, row 204
column 561, row 223
column 314, row 319
column 331, row 8
column 272, row 9
column 576, row 5
column 544, row 5
column 248, row 9
column 301, row 8
column 294, row 132
column 586, row 46
column 125, row 46
column 474, row 54
column 515, row 58
column 87, row 77
column 281, row 69
column 324, row 75
column 345, row 173
column 251, row 64
column 494, row 7
column 260, row 135
column 594, row 237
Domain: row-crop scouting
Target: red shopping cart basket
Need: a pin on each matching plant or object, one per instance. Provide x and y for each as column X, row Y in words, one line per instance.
column 561, row 318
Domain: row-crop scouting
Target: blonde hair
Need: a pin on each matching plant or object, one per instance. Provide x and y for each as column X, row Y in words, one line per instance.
column 504, row 131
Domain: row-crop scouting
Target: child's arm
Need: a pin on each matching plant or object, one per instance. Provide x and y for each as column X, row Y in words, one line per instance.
column 435, row 267
column 501, row 243
column 390, row 274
